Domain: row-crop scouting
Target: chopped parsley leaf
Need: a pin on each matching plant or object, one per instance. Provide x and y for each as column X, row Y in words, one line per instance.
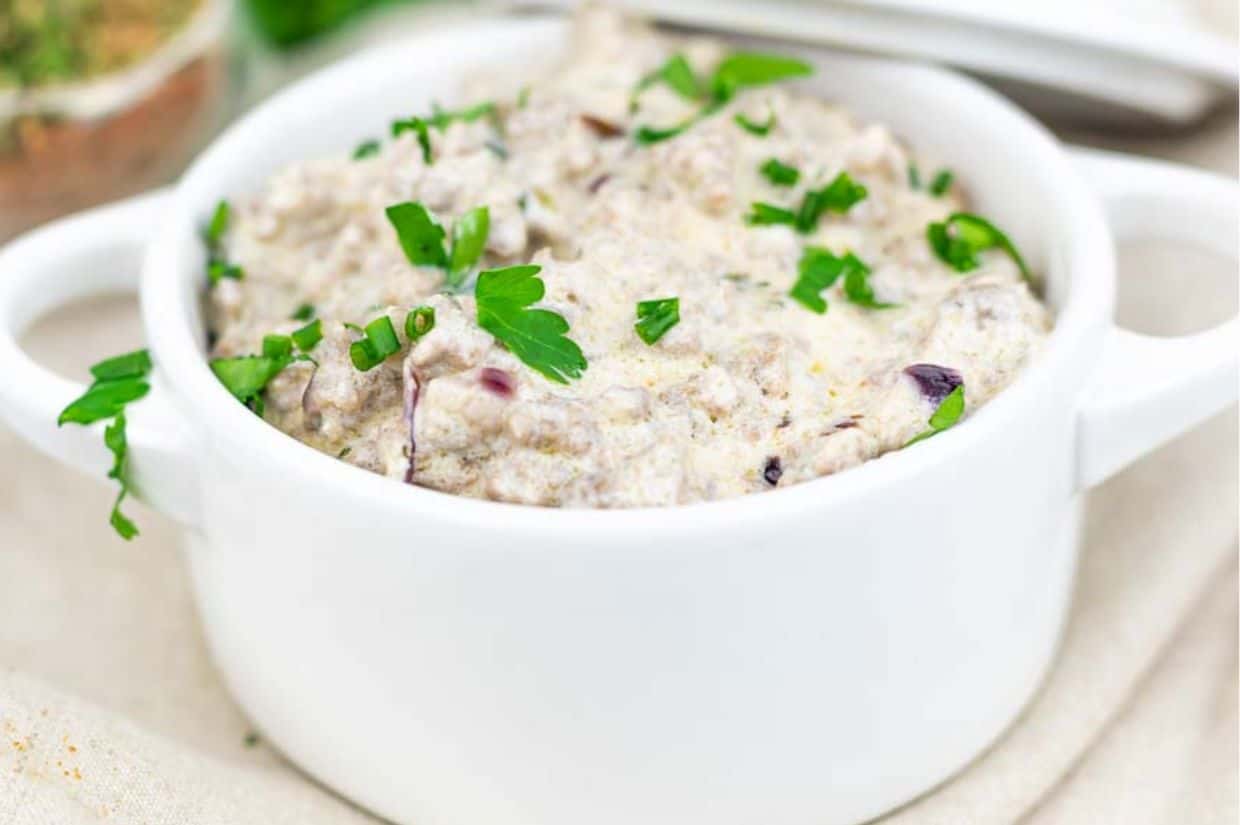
column 219, row 224
column 656, row 317
column 217, row 267
column 941, row 183
column 523, row 97
column 115, row 440
column 219, row 270
column 118, row 381
column 378, row 342
column 246, row 376
column 817, row 270
column 754, row 128
column 958, row 240
column 838, row 196
column 418, row 322
column 765, row 214
column 677, row 74
column 417, row 125
column 307, row 338
column 442, row 119
column 469, row 239
column 914, row 176
column 536, row 336
column 742, row 69
column 366, row 149
column 277, row 346
column 945, row 415
column 857, row 287
column 646, row 135
column 130, row 365
column 303, row 313
column 779, row 173
column 734, row 72
column 420, row 237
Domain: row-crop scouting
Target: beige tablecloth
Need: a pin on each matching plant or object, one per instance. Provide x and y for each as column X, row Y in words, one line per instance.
column 111, row 710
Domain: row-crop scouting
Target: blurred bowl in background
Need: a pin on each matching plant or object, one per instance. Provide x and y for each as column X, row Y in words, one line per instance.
column 100, row 99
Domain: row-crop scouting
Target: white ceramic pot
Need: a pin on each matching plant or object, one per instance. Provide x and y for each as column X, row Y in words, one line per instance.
column 816, row 654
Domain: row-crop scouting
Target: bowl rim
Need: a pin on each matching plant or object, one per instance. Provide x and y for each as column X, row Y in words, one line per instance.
column 169, row 311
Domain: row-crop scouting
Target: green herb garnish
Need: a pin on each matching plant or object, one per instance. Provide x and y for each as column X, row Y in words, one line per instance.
column 523, row 97
column 379, row 341
column 857, row 287
column 366, row 149
column 303, row 313
column 736, row 71
column 217, row 267
column 646, row 135
column 536, row 336
column 277, row 346
column 219, row 270
column 838, row 196
column 765, row 214
column 115, row 440
column 914, row 176
column 307, row 338
column 945, row 415
column 118, row 382
column 442, row 119
column 958, row 240
column 677, row 74
column 420, row 237
column 742, row 69
column 753, row 128
column 246, row 376
column 656, row 317
column 941, row 183
column 469, row 240
column 417, row 125
column 779, row 173
column 819, row 269
column 219, row 224
column 418, row 322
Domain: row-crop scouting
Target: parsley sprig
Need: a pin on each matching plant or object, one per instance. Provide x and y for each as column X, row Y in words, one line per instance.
column 753, row 127
column 656, row 317
column 780, row 173
column 422, row 239
column 118, row 382
column 736, row 71
column 536, row 336
column 958, row 241
column 945, row 415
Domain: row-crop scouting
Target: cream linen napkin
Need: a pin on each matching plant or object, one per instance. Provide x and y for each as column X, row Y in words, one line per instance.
column 111, row 711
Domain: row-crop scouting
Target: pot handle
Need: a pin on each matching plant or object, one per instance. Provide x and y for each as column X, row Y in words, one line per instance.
column 94, row 252
column 1147, row 390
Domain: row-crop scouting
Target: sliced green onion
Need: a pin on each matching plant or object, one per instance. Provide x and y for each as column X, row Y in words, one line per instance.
column 418, row 322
